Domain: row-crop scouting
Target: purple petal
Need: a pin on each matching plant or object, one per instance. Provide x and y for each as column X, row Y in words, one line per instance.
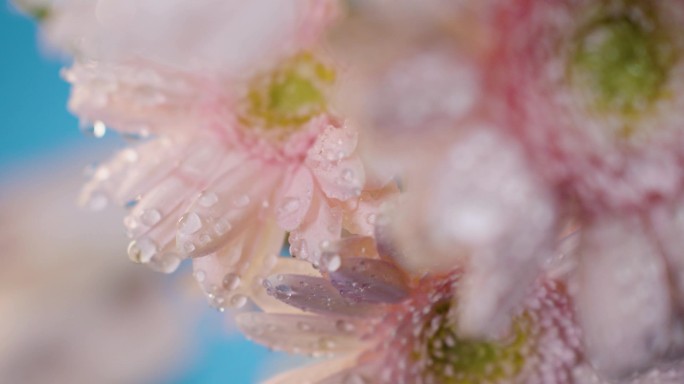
column 370, row 281
column 313, row 294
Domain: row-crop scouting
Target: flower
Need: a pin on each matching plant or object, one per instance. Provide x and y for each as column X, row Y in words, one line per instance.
column 593, row 89
column 386, row 327
column 228, row 157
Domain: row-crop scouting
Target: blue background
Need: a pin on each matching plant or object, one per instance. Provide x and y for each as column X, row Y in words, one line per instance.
column 34, row 121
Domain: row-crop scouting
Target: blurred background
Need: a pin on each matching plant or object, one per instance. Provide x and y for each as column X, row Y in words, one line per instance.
column 73, row 309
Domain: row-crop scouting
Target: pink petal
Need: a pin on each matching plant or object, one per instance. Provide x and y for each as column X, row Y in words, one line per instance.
column 295, row 201
column 315, row 373
column 668, row 225
column 361, row 219
column 320, row 228
column 227, row 207
column 134, row 99
column 235, row 273
column 337, row 169
column 624, row 301
column 303, row 333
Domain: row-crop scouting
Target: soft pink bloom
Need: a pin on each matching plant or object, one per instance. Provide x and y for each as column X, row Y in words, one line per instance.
column 229, row 160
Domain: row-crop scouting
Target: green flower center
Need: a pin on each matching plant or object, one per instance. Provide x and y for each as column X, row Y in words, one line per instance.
column 456, row 361
column 290, row 96
column 622, row 59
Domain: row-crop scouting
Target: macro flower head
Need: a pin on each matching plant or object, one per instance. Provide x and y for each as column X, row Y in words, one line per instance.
column 225, row 159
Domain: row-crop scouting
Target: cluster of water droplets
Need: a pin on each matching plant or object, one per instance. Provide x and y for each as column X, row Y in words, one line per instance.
column 227, row 294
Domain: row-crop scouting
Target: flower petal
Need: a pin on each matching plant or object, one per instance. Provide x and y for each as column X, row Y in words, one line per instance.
column 235, row 273
column 361, row 218
column 303, row 333
column 623, row 297
column 315, row 373
column 227, row 207
column 295, row 202
column 320, row 228
column 313, row 294
column 332, row 160
column 370, row 281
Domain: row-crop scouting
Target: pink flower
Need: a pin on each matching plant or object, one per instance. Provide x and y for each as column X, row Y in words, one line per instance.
column 234, row 160
column 594, row 91
column 387, row 328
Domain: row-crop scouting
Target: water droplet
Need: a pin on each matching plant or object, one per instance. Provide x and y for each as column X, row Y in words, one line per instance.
column 289, row 205
column 207, row 199
column 334, row 262
column 200, row 276
column 344, row 326
column 347, row 175
column 150, row 217
column 284, row 290
column 241, row 201
column 142, row 250
column 222, row 227
column 130, row 223
column 130, row 155
column 238, row 301
column 304, row 326
column 204, row 239
column 371, row 218
column 190, row 223
column 189, row 247
column 97, row 130
column 231, row 281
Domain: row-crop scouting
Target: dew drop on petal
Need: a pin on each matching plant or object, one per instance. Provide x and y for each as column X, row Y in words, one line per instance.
column 150, row 217
column 304, row 326
column 222, row 227
column 347, row 175
column 241, row 201
column 231, row 281
column 332, row 262
column 97, row 130
column 207, row 199
column 344, row 326
column 200, row 276
column 142, row 250
column 190, row 223
column 188, row 247
column 238, row 301
column 289, row 205
column 204, row 239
